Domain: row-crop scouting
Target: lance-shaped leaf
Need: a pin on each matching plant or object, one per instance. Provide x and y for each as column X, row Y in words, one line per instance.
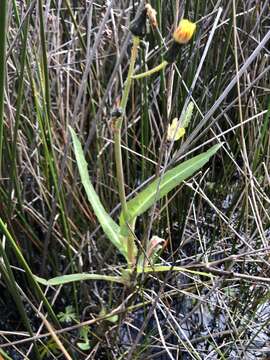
column 110, row 228
column 159, row 188
column 66, row 279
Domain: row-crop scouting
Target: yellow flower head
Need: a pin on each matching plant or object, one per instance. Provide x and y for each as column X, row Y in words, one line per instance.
column 175, row 132
column 184, row 31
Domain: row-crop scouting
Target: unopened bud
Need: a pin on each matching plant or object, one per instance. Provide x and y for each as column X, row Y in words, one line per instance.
column 138, row 25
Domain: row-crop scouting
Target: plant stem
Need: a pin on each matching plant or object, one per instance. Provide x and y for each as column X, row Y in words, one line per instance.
column 3, row 20
column 118, row 128
column 117, row 140
column 151, row 71
column 32, row 281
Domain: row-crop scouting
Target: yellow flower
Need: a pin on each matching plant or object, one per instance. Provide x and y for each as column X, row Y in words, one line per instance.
column 175, row 132
column 184, row 31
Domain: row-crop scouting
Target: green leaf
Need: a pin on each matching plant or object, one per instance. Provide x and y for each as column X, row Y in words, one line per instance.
column 84, row 346
column 65, row 279
column 84, row 331
column 165, row 268
column 48, row 348
column 110, row 228
column 68, row 316
column 159, row 188
column 113, row 319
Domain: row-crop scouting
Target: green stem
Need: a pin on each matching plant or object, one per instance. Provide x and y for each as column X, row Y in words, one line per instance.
column 117, row 140
column 3, row 21
column 33, row 283
column 10, row 282
column 151, row 71
column 19, row 102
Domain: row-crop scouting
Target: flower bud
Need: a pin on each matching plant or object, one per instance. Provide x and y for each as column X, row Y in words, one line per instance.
column 138, row 25
column 181, row 36
column 186, row 116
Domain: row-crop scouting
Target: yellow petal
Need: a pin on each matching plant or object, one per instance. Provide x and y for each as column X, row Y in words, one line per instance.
column 184, row 31
column 175, row 132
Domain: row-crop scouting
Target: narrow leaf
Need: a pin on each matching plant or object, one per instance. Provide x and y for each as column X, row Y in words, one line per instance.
column 110, row 228
column 159, row 188
column 165, row 268
column 65, row 279
column 3, row 40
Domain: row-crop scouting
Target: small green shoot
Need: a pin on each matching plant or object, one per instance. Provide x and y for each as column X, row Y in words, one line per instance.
column 68, row 316
column 85, row 345
column 113, row 319
column 49, row 348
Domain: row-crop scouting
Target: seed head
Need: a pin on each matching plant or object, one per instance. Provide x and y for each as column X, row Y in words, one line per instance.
column 152, row 15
